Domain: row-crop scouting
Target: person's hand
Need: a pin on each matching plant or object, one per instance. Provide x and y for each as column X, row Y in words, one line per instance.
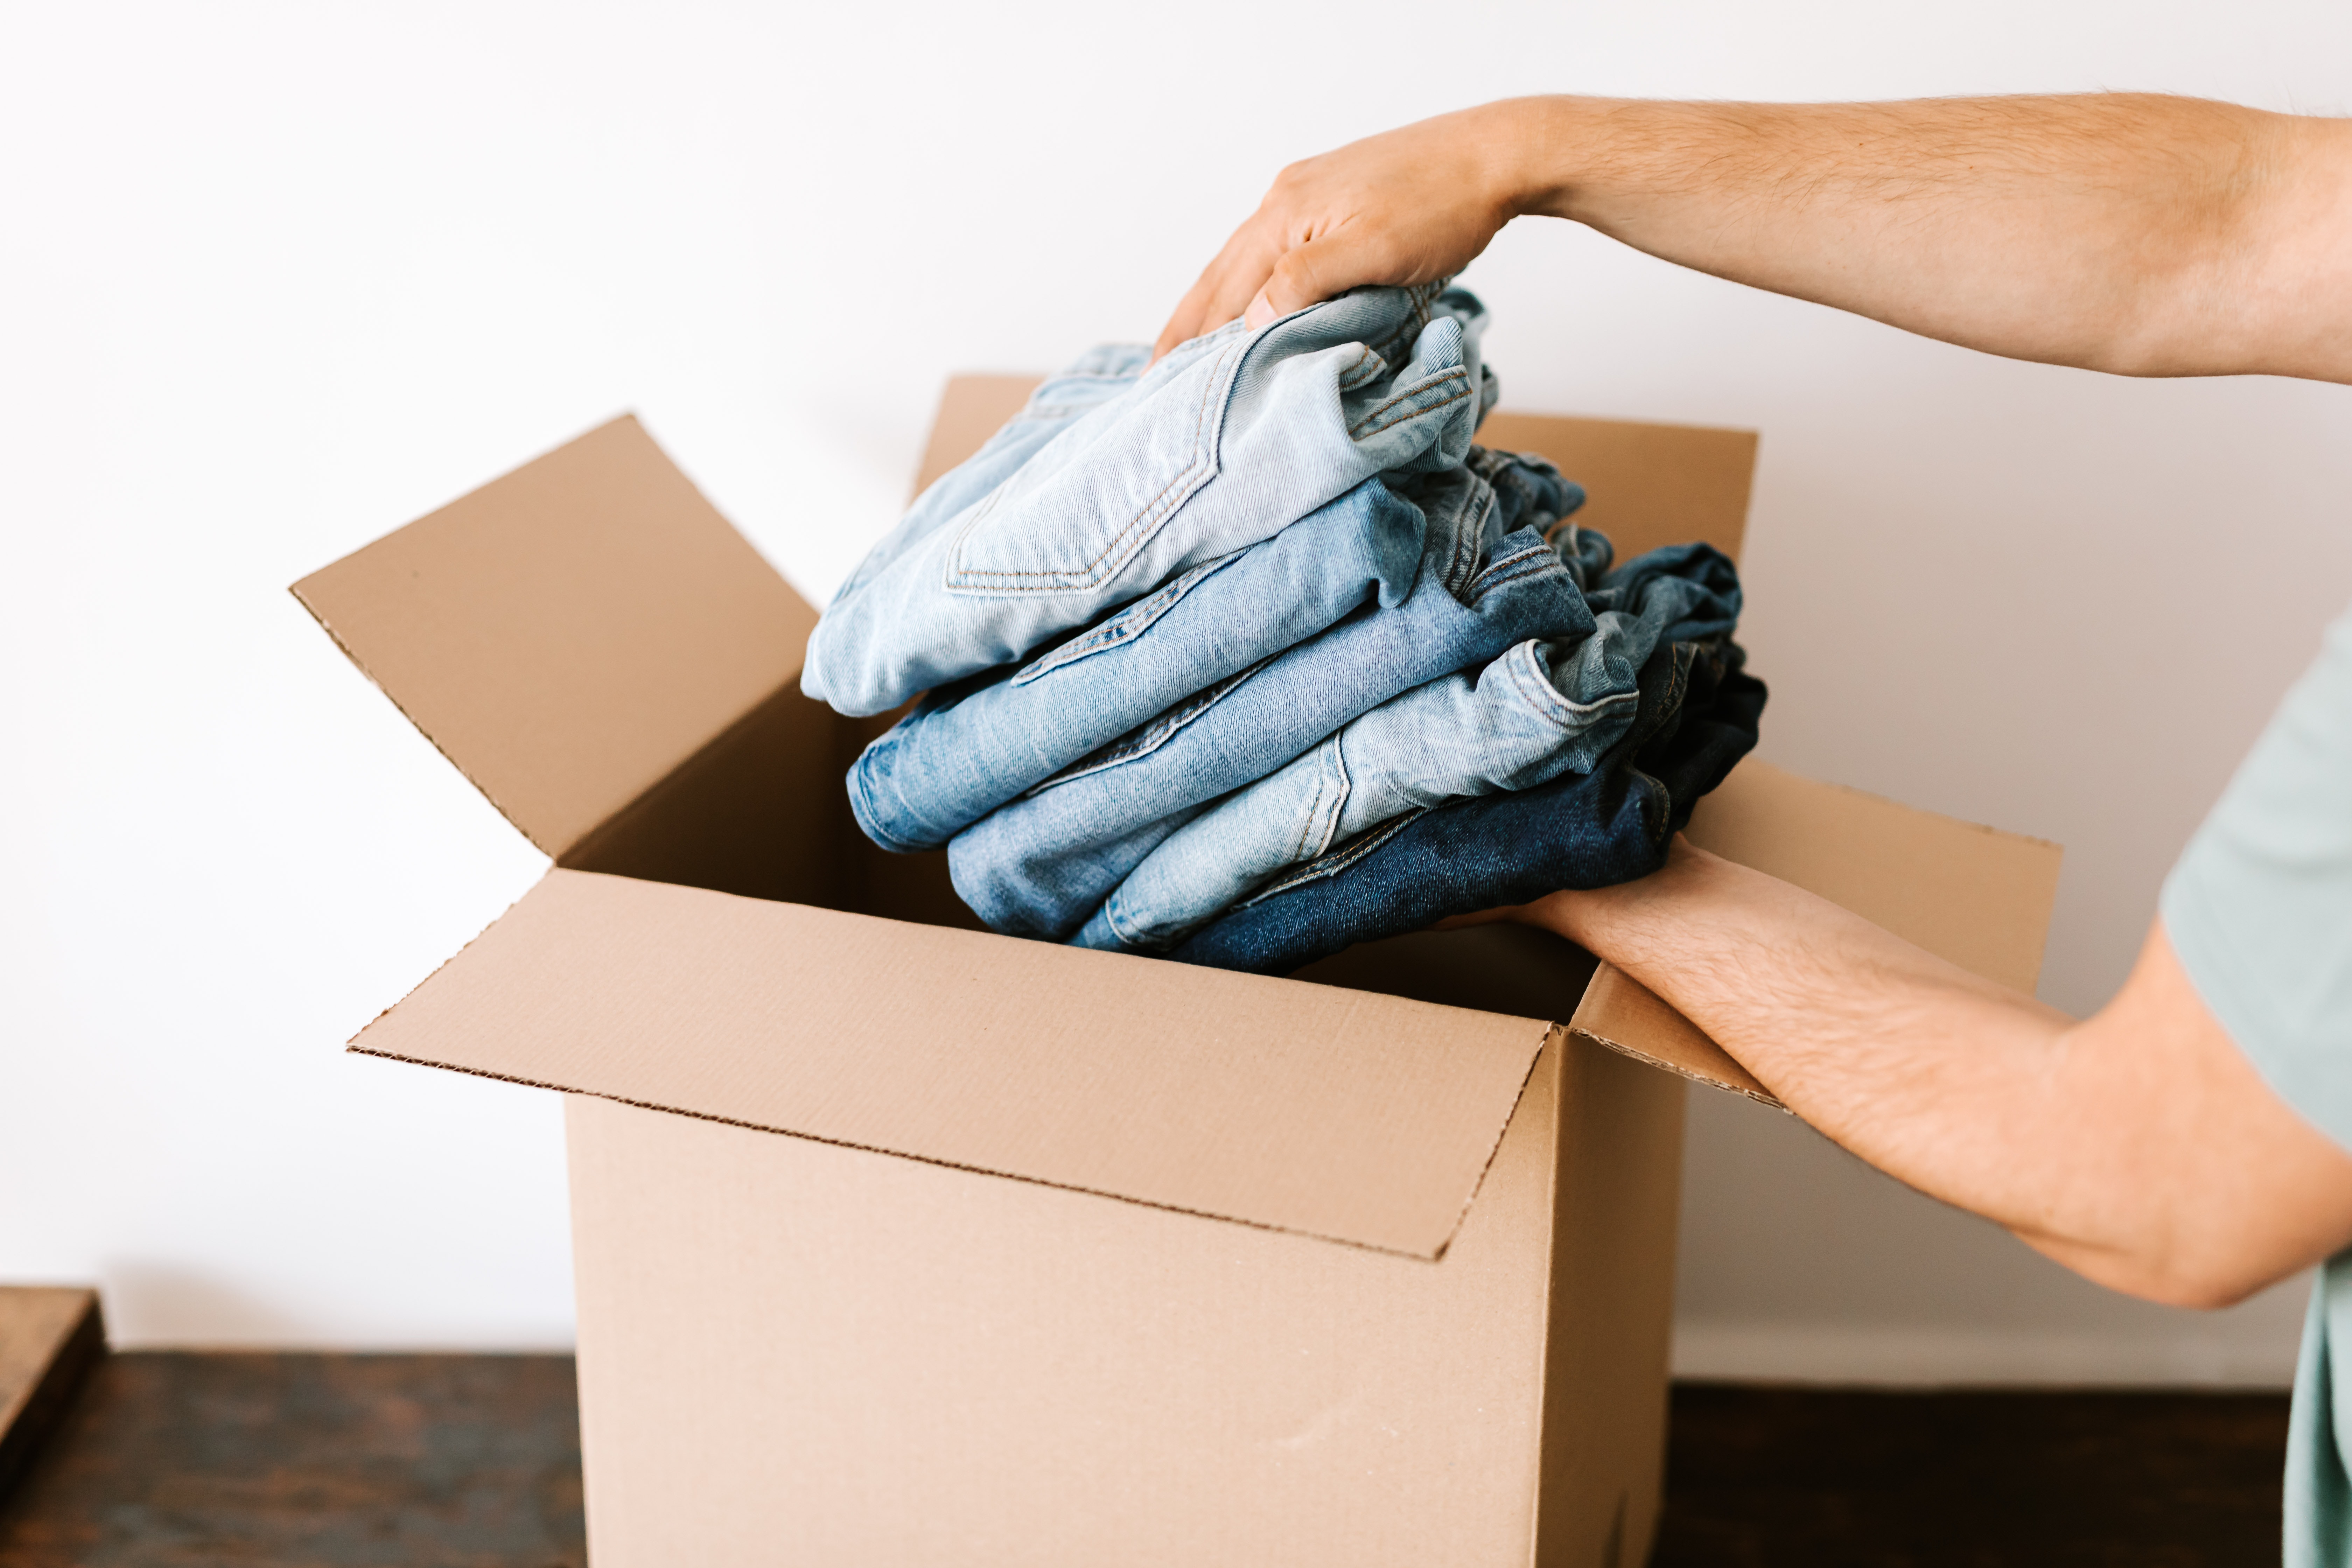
column 1411, row 205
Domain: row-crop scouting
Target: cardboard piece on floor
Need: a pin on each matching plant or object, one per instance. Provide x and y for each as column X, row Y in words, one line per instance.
column 50, row 1336
column 1071, row 1258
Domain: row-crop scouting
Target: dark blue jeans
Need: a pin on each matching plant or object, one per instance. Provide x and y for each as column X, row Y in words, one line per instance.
column 1698, row 715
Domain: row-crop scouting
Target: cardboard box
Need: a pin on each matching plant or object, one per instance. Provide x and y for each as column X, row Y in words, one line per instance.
column 1066, row 1256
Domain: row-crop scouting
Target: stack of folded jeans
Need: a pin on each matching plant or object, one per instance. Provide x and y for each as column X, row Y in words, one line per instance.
column 1252, row 653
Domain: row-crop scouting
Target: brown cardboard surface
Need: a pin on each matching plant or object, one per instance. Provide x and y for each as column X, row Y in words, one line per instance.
column 35, row 1323
column 50, row 1336
column 569, row 633
column 880, row 1361
column 806, row 1346
column 1645, row 485
column 1617, row 1167
column 1975, row 896
column 1358, row 1117
column 759, row 810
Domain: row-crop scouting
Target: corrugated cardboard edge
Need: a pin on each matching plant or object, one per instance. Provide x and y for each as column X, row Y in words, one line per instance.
column 1555, row 1034
column 1674, row 1043
column 359, row 664
column 1552, row 1038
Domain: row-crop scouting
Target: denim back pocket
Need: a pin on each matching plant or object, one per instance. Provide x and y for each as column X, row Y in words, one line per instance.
column 1073, row 526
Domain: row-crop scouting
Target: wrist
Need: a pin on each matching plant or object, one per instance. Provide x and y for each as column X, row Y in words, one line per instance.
column 1543, row 152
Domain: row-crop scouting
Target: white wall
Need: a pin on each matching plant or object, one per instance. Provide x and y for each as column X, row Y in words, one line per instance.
column 277, row 279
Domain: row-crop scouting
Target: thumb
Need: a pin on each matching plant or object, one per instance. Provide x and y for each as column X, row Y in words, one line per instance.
column 1306, row 275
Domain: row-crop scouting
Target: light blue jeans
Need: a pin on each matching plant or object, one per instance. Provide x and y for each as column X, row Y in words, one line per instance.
column 968, row 749
column 1091, row 380
column 1042, row 864
column 1228, row 440
column 1542, row 709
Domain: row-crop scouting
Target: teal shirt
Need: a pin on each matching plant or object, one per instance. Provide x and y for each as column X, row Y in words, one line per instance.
column 2260, row 912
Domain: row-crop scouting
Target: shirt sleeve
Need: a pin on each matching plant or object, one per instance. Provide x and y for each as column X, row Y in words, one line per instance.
column 2258, row 908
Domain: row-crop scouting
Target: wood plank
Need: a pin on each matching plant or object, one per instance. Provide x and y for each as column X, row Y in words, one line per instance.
column 50, row 1336
column 208, row 1459
column 458, row 1461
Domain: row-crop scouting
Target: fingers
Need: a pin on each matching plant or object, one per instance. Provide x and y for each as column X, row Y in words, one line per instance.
column 1308, row 275
column 1202, row 308
column 1261, row 282
column 1185, row 324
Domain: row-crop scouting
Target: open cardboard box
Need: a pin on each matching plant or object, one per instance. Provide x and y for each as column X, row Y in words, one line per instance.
column 1069, row 1256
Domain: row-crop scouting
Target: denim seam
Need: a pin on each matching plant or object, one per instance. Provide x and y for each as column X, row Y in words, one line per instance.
column 1419, row 296
column 1332, row 789
column 870, row 817
column 1156, row 734
column 960, row 575
column 1124, row 628
column 1119, row 924
column 1331, row 865
column 1531, row 562
column 1462, row 569
column 1364, row 427
column 1364, row 356
column 1549, row 701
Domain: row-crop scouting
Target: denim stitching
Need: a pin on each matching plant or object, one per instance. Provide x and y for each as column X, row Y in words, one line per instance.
column 1550, row 701
column 960, row 575
column 1331, row 865
column 1330, row 795
column 1364, row 427
column 1531, row 562
column 1191, row 465
column 1153, row 736
column 1467, row 538
column 1119, row 924
column 1127, row 625
column 1364, row 356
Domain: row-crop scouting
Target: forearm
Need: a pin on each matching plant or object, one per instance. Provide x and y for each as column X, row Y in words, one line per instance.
column 2121, row 232
column 1917, row 1066
column 2117, row 1145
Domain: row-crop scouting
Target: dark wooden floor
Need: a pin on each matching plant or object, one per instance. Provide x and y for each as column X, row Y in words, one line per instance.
column 1760, row 1476
column 302, row 1461
column 308, row 1461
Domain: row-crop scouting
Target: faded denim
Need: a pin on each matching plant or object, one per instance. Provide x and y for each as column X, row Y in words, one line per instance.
column 968, row 750
column 1042, row 864
column 1542, row 709
column 1228, row 440
column 1698, row 716
column 1091, row 380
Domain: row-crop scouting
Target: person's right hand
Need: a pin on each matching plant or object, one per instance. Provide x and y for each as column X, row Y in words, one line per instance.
column 1411, row 205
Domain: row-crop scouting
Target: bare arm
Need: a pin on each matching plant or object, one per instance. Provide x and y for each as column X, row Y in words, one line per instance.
column 2134, row 232
column 2137, row 1147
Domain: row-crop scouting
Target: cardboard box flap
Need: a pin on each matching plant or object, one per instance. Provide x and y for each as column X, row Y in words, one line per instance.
column 1334, row 1114
column 1973, row 895
column 1645, row 485
column 569, row 633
